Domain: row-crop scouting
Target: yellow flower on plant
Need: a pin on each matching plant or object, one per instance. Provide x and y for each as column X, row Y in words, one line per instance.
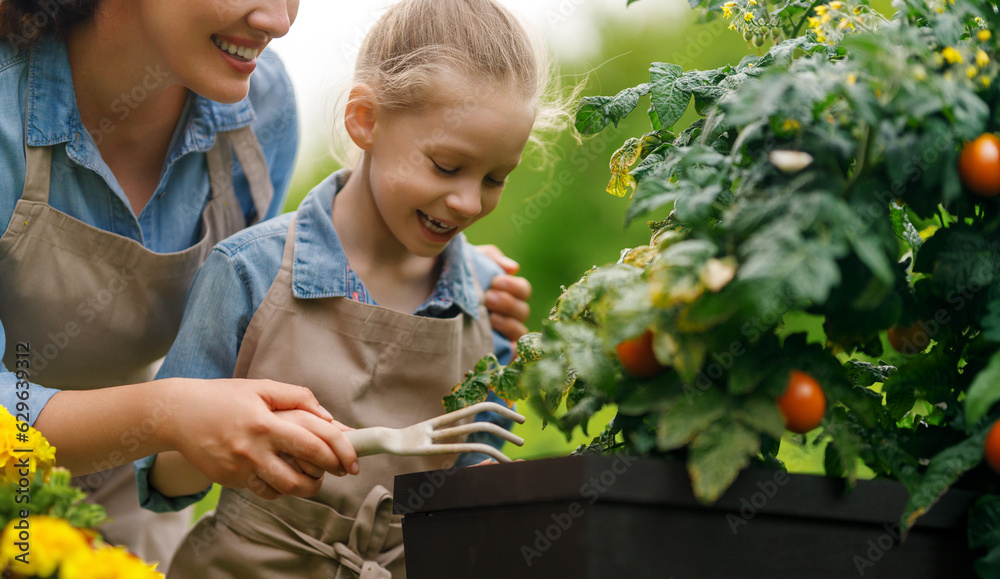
column 107, row 563
column 971, row 71
column 851, row 79
column 836, row 5
column 748, row 16
column 985, row 81
column 826, row 18
column 983, row 35
column 858, row 10
column 821, row 10
column 752, row 2
column 951, row 55
column 23, row 450
column 49, row 541
column 732, row 26
column 844, row 24
column 982, row 59
column 814, row 22
column 790, row 125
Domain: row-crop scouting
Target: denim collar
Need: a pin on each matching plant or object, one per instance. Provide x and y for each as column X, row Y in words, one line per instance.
column 318, row 269
column 53, row 116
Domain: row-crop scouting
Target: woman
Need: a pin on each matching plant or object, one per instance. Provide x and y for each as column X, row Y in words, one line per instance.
column 119, row 128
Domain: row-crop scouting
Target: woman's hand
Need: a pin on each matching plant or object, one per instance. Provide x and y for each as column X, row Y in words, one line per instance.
column 234, row 432
column 507, row 298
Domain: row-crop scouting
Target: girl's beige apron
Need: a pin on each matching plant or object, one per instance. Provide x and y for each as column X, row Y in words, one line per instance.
column 370, row 366
column 99, row 309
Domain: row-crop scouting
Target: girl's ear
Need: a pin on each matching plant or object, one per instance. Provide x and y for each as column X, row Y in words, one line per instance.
column 359, row 117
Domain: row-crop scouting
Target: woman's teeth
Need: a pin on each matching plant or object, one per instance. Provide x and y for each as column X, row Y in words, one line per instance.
column 434, row 225
column 238, row 51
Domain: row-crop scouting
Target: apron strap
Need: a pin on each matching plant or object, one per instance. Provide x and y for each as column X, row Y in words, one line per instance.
column 38, row 174
column 251, row 158
column 360, row 557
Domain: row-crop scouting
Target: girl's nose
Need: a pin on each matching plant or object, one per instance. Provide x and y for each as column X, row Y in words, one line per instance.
column 466, row 201
column 274, row 17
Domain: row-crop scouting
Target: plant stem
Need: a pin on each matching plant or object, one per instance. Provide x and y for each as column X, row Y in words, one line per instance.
column 805, row 16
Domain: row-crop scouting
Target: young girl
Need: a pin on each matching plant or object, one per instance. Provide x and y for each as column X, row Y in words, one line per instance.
column 129, row 147
column 369, row 295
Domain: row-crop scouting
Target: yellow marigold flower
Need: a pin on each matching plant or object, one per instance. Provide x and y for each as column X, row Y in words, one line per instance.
column 971, row 71
column 983, row 35
column 982, row 59
column 951, row 55
column 52, row 542
column 790, row 125
column 107, row 563
column 41, row 455
column 851, row 79
column 748, row 16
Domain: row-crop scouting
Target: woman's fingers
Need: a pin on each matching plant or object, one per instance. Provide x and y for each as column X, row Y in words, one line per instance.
column 493, row 252
column 325, row 444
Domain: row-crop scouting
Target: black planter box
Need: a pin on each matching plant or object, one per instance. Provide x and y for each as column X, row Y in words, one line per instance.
column 622, row 517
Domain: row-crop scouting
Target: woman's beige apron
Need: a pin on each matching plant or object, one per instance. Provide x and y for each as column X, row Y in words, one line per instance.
column 99, row 309
column 370, row 366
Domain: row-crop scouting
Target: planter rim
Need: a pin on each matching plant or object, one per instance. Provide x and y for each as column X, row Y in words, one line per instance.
column 665, row 483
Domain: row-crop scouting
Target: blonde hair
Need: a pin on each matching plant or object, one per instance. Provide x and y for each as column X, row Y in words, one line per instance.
column 404, row 56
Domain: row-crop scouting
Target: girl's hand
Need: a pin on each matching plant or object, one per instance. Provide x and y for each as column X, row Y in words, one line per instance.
column 507, row 298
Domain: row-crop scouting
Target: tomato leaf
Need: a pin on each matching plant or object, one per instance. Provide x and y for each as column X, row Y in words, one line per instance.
column 760, row 414
column 596, row 112
column 983, row 393
column 685, row 416
column 943, row 470
column 717, row 455
column 984, row 533
column 474, row 387
column 670, row 97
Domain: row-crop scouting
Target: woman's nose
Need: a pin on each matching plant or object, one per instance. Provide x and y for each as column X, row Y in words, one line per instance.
column 274, row 17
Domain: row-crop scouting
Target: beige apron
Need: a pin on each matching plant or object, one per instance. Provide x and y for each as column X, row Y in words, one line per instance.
column 370, row 366
column 99, row 309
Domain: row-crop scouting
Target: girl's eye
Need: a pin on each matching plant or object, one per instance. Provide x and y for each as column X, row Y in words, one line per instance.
column 491, row 182
column 442, row 170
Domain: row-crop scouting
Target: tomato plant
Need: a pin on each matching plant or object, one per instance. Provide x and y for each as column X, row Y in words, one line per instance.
column 637, row 357
column 803, row 403
column 979, row 165
column 822, row 178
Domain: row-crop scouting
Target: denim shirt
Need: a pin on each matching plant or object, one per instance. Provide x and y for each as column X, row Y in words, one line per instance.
column 38, row 103
column 232, row 283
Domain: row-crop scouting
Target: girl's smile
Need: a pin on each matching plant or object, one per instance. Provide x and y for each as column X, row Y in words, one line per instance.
column 435, row 230
column 239, row 53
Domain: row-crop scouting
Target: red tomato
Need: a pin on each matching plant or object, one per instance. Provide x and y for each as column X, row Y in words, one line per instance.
column 637, row 357
column 992, row 446
column 803, row 404
column 908, row 340
column 979, row 165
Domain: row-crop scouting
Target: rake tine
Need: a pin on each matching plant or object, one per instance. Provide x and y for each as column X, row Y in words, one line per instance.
column 461, row 430
column 473, row 410
column 465, row 447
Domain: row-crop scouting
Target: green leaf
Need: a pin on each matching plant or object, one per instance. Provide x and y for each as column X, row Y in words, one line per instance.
column 474, row 387
column 717, row 455
column 685, row 416
column 924, row 378
column 984, row 533
column 844, row 449
column 865, row 374
column 944, row 469
column 983, row 393
column 761, row 414
column 670, row 98
column 596, row 112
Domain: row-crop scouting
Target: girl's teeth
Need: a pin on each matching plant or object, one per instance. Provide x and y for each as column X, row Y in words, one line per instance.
column 435, row 225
